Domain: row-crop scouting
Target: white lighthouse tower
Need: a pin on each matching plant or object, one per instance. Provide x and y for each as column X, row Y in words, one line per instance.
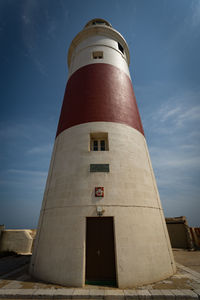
column 101, row 219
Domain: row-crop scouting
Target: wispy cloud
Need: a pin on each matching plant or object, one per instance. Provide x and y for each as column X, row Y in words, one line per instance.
column 27, row 172
column 174, row 158
column 174, row 146
column 171, row 113
column 167, row 111
column 26, row 129
column 179, row 114
column 179, row 109
column 26, row 19
column 31, row 34
column 64, row 9
column 40, row 149
column 12, row 180
column 195, row 6
column 184, row 31
column 36, row 37
column 190, row 147
column 192, row 114
column 10, row 131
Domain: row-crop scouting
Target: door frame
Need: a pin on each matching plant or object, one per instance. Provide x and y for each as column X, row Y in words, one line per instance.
column 114, row 241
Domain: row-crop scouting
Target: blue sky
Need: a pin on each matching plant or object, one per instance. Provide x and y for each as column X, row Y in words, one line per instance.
column 164, row 41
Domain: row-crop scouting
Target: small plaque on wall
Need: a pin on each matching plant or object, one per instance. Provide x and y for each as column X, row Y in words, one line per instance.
column 99, row 167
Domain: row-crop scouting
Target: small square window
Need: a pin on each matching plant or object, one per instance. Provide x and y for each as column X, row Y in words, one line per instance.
column 97, row 55
column 99, row 141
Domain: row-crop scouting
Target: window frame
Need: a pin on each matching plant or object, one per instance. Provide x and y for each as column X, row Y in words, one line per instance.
column 120, row 48
column 99, row 141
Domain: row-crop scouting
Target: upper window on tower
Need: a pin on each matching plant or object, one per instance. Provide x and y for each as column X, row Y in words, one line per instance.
column 99, row 141
column 120, row 48
column 97, row 55
column 98, row 22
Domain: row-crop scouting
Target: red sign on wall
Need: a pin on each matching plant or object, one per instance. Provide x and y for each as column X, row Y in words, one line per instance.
column 99, row 191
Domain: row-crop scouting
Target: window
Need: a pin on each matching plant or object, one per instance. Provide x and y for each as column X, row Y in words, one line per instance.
column 99, row 141
column 97, row 55
column 98, row 22
column 120, row 48
column 102, row 145
column 95, row 145
column 98, row 145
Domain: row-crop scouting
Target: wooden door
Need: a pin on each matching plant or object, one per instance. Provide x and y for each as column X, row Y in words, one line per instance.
column 100, row 251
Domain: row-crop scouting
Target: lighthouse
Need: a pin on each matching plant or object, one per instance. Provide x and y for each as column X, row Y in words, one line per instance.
column 101, row 220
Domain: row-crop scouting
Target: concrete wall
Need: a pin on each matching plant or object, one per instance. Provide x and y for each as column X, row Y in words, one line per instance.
column 195, row 232
column 82, row 56
column 143, row 251
column 19, row 241
column 179, row 233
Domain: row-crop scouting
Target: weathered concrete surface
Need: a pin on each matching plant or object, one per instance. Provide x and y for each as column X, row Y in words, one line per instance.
column 18, row 284
column 107, row 295
column 189, row 259
column 17, row 240
column 179, row 233
column 140, row 230
column 104, row 94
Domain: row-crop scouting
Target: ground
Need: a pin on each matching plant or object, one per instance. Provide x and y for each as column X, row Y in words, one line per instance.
column 14, row 276
column 190, row 259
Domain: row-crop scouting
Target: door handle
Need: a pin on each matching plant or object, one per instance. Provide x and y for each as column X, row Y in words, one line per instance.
column 98, row 252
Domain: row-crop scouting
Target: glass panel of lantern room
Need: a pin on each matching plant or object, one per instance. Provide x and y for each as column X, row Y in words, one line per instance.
column 103, row 145
column 95, row 145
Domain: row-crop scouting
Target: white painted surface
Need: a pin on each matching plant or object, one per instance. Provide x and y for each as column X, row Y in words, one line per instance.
column 82, row 54
column 142, row 245
column 128, row 158
column 98, row 36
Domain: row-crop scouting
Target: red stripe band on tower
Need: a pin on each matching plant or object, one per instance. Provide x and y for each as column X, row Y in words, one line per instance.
column 99, row 93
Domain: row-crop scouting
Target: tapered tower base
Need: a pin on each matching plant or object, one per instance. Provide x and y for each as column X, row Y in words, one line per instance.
column 142, row 250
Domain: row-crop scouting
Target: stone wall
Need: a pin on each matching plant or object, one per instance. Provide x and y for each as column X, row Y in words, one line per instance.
column 195, row 232
column 179, row 233
column 19, row 240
